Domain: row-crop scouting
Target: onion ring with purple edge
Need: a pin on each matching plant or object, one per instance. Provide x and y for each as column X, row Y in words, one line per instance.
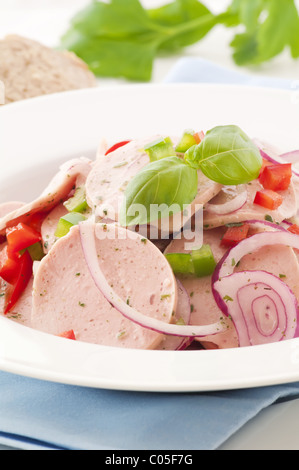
column 87, row 234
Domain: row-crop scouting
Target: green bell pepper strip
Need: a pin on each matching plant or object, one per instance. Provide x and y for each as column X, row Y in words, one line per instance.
column 160, row 148
column 67, row 222
column 199, row 262
column 77, row 203
column 203, row 261
column 187, row 141
column 181, row 263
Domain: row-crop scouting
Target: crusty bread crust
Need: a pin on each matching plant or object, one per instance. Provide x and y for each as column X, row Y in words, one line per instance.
column 29, row 69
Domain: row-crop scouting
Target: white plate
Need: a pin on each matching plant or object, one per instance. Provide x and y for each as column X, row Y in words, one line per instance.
column 37, row 135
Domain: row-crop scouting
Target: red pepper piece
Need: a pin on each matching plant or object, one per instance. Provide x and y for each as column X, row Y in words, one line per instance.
column 199, row 136
column 234, row 235
column 294, row 229
column 35, row 220
column 268, row 199
column 15, row 291
column 276, row 177
column 117, row 146
column 68, row 334
column 21, row 236
column 9, row 266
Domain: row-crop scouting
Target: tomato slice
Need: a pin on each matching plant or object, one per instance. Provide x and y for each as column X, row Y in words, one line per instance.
column 234, row 235
column 268, row 199
column 117, row 146
column 21, row 236
column 15, row 290
column 276, row 177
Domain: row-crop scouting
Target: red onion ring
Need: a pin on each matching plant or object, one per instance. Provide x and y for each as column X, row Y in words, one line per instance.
column 262, row 307
column 230, row 206
column 87, row 236
column 291, row 157
column 275, row 158
column 183, row 312
column 224, row 279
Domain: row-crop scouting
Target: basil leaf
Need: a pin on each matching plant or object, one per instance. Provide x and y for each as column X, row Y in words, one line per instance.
column 165, row 183
column 226, row 155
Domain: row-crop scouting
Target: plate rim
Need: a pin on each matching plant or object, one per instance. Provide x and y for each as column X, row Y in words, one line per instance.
column 8, row 362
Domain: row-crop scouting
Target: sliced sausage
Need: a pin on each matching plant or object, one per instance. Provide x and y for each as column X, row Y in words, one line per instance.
column 252, row 211
column 279, row 260
column 110, row 176
column 57, row 190
column 203, row 306
column 8, row 207
column 21, row 312
column 65, row 296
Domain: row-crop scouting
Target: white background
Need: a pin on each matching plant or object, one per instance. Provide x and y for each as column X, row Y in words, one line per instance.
column 46, row 21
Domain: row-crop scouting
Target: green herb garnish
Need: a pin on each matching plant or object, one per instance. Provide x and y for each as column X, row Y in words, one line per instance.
column 226, row 155
column 135, row 36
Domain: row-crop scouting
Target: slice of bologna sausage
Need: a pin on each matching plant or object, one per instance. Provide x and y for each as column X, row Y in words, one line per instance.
column 65, row 296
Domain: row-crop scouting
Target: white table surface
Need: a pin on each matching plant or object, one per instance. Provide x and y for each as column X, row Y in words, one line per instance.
column 276, row 428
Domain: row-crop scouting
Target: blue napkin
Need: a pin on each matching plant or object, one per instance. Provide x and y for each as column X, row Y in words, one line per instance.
column 197, row 70
column 38, row 415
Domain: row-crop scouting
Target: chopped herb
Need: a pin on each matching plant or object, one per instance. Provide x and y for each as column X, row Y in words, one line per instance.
column 282, row 276
column 192, row 308
column 128, row 301
column 78, row 274
column 81, row 304
column 121, row 334
column 180, row 322
column 235, row 224
column 233, row 262
column 143, row 240
column 227, row 298
column 119, row 165
column 165, row 296
column 268, row 218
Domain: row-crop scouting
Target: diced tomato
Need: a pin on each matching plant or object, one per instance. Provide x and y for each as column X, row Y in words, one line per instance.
column 234, row 235
column 68, row 334
column 294, row 229
column 15, row 290
column 117, row 146
column 21, row 236
column 199, row 136
column 264, row 164
column 9, row 266
column 276, row 177
column 268, row 199
column 35, row 220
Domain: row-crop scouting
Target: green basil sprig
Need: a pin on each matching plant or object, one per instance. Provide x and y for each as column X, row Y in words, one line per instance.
column 166, row 182
column 226, row 155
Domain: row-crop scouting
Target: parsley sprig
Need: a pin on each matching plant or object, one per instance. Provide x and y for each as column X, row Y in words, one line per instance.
column 122, row 38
